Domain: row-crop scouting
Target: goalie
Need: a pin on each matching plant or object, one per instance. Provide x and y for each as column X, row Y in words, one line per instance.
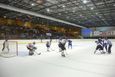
column 31, row 47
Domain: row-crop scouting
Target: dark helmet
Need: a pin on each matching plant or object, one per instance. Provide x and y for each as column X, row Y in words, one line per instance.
column 34, row 42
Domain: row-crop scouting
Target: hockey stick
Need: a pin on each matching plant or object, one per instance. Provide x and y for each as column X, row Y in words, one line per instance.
column 37, row 53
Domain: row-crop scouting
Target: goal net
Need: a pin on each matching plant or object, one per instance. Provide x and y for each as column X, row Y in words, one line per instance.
column 10, row 51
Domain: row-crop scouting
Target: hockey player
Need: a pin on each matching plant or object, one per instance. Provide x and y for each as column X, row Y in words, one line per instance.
column 105, row 44
column 5, row 48
column 31, row 47
column 109, row 46
column 99, row 46
column 100, row 40
column 62, row 47
column 48, row 45
column 69, row 44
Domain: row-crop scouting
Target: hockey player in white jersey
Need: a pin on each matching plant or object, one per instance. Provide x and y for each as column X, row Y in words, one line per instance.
column 109, row 44
column 105, row 44
column 62, row 47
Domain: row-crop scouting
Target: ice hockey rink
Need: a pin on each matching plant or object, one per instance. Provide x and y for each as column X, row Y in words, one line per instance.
column 80, row 61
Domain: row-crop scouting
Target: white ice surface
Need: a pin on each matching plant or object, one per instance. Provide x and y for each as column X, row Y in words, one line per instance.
column 80, row 62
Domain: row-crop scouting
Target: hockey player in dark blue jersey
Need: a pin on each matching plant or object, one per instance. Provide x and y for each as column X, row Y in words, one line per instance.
column 48, row 45
column 62, row 47
column 99, row 46
column 69, row 44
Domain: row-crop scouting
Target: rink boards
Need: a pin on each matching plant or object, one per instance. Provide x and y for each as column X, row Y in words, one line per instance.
column 24, row 41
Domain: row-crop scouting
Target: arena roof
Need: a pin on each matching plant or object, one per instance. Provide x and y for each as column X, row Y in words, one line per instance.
column 86, row 13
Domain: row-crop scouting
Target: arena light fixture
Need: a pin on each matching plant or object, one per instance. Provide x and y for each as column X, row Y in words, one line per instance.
column 63, row 6
column 32, row 4
column 59, row 13
column 85, row 1
column 67, row 17
column 96, row 13
column 48, row 10
column 4, row 16
column 73, row 11
column 92, row 8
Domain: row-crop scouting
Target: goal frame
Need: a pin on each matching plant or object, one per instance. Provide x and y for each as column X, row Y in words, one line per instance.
column 16, row 49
